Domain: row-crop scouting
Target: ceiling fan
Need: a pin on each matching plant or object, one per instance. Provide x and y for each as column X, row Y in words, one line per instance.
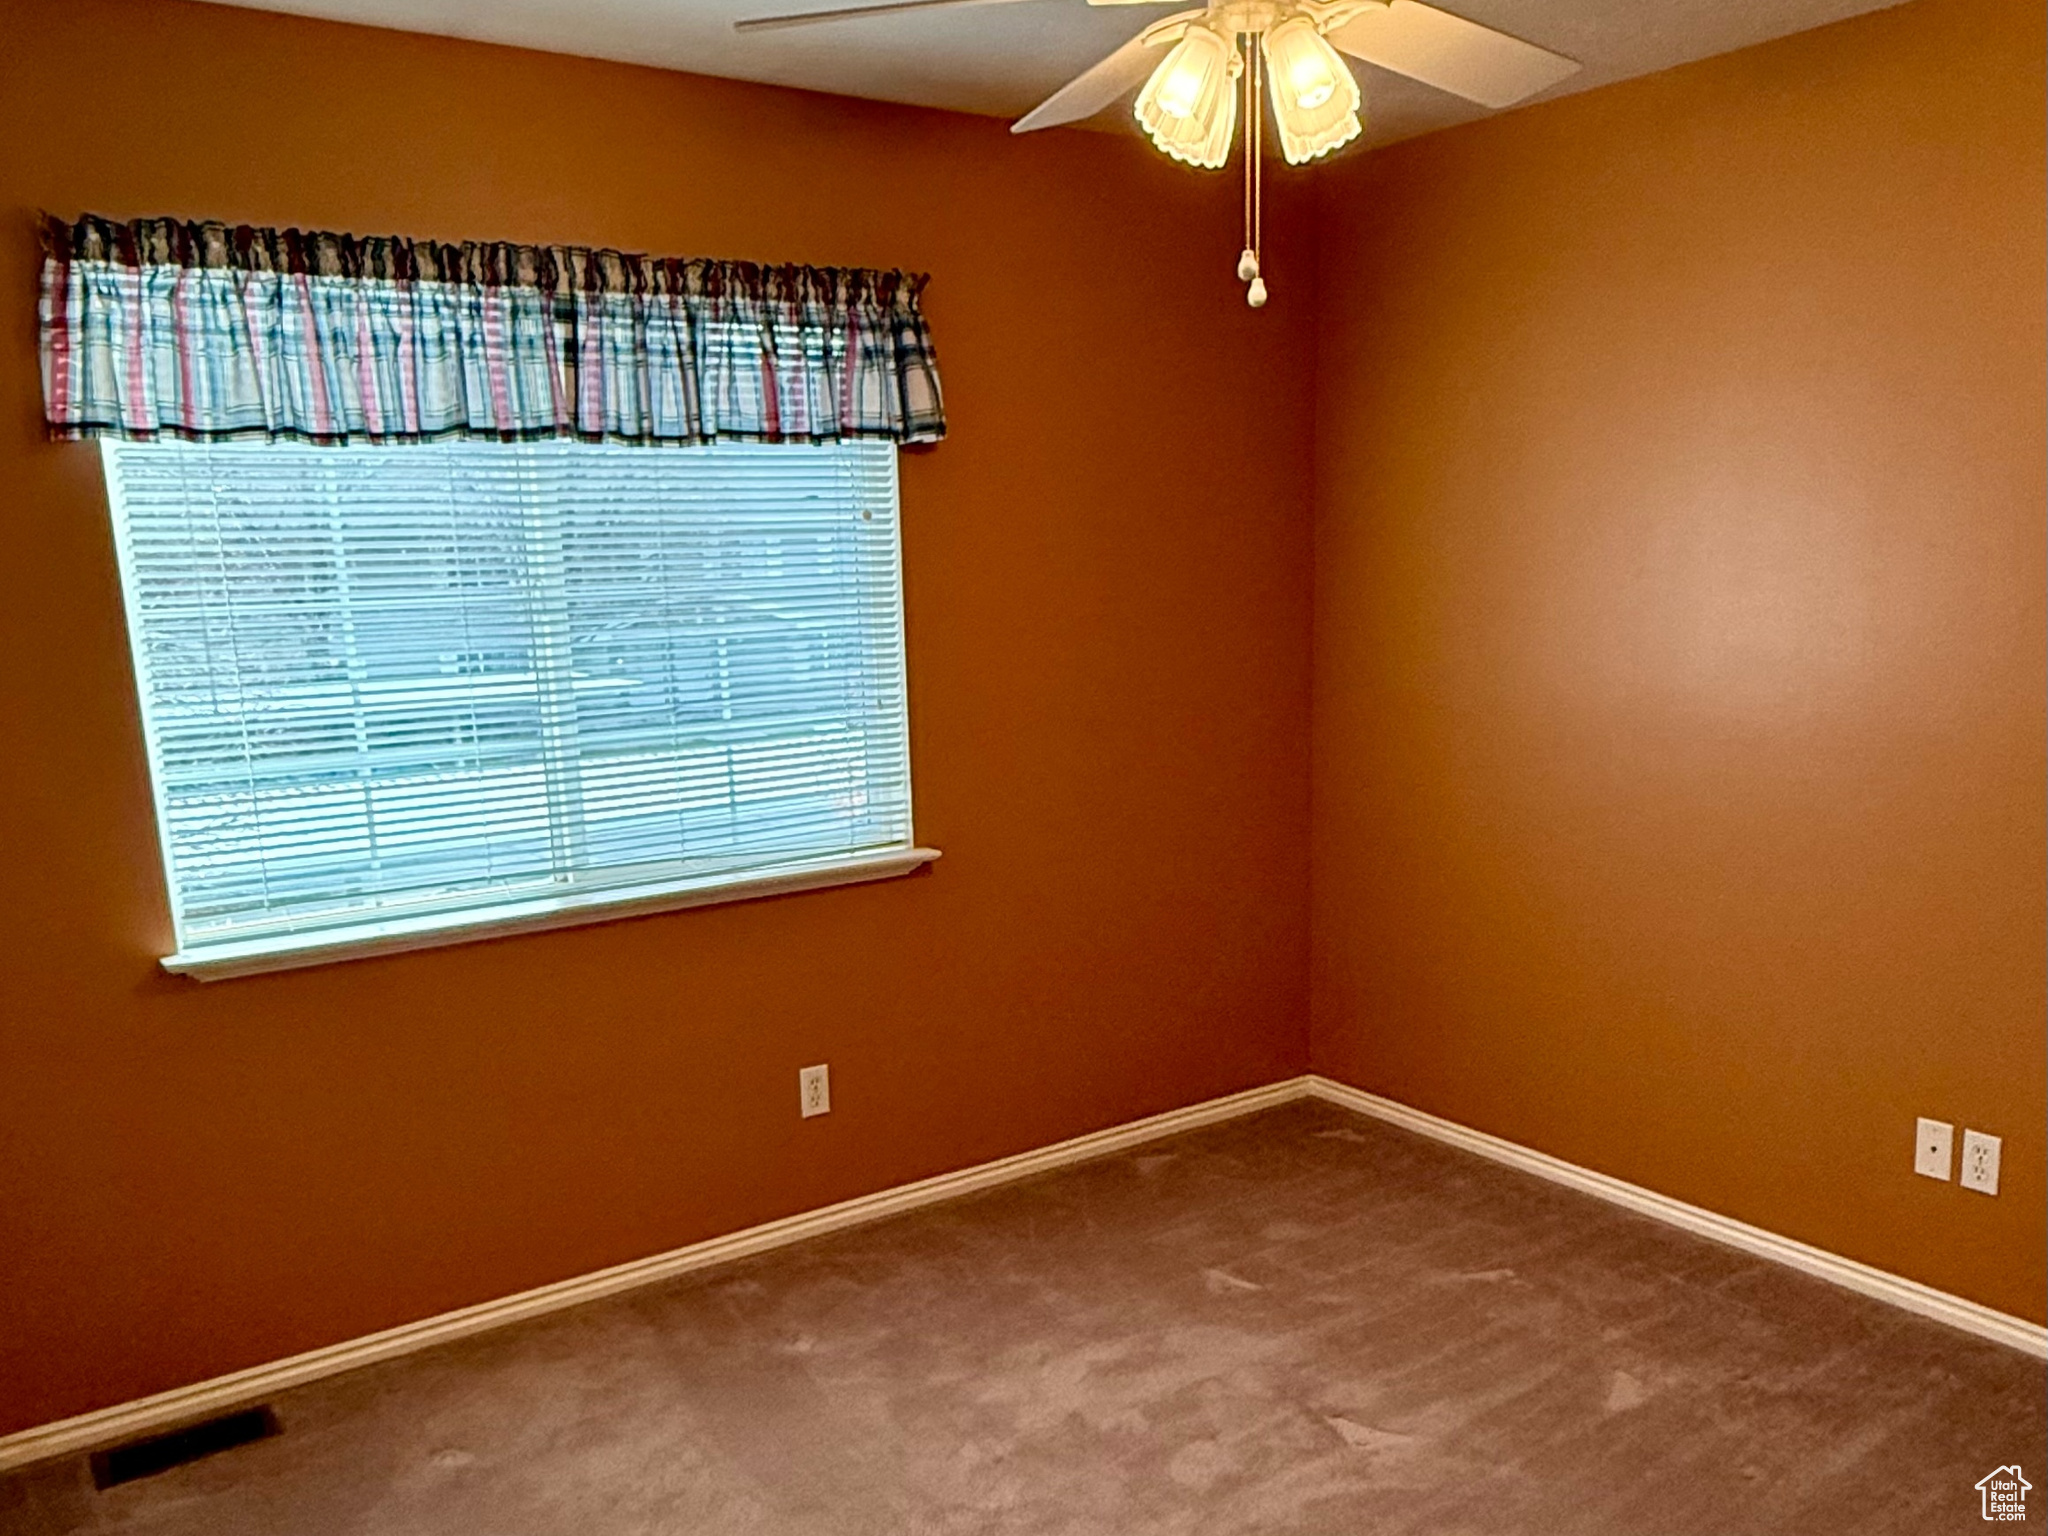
column 1219, row 56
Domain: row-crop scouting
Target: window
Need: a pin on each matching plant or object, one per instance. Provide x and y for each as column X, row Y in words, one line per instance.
column 396, row 695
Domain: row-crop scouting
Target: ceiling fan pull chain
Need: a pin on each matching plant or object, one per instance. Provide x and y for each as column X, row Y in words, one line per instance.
column 1255, row 295
column 1248, row 261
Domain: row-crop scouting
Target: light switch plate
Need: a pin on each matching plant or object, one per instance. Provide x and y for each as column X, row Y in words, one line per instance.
column 1932, row 1145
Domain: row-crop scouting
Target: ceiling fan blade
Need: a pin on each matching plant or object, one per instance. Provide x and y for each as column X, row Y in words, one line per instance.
column 846, row 13
column 1087, row 94
column 1451, row 53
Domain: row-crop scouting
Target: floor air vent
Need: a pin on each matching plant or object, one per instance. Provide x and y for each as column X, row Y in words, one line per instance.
column 160, row 1453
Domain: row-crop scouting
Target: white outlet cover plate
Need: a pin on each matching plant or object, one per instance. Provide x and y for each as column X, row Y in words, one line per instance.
column 1980, row 1162
column 1932, row 1141
column 814, row 1091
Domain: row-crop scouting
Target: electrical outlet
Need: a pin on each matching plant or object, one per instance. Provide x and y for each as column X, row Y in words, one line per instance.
column 814, row 1091
column 1932, row 1141
column 1980, row 1162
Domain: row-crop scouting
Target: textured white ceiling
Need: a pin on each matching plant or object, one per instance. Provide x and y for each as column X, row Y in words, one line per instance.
column 1003, row 58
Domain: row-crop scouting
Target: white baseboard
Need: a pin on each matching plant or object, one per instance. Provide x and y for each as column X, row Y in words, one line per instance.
column 1970, row 1316
column 202, row 1399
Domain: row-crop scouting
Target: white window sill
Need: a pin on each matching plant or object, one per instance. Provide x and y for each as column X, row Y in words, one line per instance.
column 289, row 952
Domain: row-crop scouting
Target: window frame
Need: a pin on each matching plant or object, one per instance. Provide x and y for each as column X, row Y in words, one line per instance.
column 450, row 919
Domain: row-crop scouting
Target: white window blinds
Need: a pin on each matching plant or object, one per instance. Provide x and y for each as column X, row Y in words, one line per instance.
column 436, row 684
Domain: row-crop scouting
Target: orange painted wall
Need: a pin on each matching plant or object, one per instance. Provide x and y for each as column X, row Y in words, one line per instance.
column 1108, row 644
column 1678, row 697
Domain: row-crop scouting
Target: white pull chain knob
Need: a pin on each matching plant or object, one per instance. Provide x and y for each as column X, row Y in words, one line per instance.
column 1256, row 294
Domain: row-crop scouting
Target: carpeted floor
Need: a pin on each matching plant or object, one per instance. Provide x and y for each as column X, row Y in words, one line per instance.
column 1299, row 1322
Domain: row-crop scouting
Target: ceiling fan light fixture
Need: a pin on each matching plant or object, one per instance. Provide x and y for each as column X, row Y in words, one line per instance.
column 1315, row 98
column 1189, row 105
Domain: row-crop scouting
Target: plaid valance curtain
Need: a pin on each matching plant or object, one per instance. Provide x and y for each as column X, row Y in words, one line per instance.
column 205, row 331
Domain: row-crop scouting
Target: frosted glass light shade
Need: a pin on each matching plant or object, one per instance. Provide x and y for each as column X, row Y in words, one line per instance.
column 1315, row 100
column 1189, row 106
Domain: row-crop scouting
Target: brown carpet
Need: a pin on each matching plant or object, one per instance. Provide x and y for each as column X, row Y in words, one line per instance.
column 1300, row 1322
